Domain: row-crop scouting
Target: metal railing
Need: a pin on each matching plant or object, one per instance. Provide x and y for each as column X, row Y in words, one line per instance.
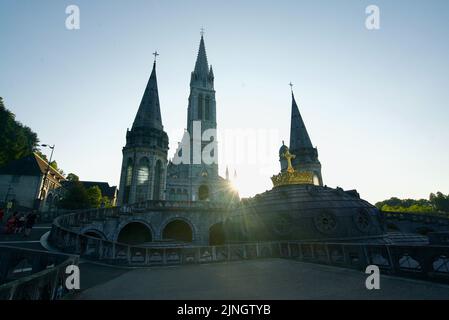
column 27, row 274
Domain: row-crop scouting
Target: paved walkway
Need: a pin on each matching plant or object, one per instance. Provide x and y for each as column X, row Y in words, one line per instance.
column 31, row 242
column 253, row 279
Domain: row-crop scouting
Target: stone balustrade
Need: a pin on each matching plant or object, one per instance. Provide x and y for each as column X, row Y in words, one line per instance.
column 27, row 274
column 429, row 262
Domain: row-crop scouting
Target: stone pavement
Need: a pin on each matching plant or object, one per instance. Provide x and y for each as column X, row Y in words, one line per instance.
column 251, row 279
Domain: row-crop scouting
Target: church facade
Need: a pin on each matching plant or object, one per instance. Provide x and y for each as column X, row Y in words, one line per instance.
column 146, row 173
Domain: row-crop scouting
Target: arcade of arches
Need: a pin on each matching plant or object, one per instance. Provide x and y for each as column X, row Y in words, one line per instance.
column 137, row 233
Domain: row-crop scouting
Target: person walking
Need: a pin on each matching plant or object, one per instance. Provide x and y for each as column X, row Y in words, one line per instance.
column 20, row 223
column 30, row 221
column 11, row 223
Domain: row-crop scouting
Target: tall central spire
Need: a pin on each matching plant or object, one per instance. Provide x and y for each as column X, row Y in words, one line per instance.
column 202, row 75
column 201, row 65
column 299, row 137
column 149, row 113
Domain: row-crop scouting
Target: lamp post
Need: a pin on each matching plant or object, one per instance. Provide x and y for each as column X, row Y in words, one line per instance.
column 46, row 171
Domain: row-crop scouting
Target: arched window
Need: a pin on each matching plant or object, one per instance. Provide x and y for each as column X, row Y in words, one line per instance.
column 207, row 108
column 157, row 180
column 128, row 180
column 200, row 106
column 142, row 179
column 203, row 192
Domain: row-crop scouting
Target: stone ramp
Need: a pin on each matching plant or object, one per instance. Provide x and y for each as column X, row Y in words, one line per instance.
column 256, row 279
column 31, row 242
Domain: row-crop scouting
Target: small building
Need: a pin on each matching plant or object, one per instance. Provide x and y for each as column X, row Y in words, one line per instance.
column 30, row 183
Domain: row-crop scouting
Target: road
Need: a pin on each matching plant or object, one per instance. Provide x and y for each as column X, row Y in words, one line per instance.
column 31, row 242
column 251, row 279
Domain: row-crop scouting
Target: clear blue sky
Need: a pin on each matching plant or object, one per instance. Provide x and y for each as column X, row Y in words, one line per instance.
column 376, row 103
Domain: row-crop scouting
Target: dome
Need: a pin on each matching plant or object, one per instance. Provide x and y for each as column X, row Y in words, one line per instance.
column 305, row 212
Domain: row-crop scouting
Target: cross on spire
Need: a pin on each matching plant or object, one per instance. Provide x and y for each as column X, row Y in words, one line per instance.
column 155, row 54
column 202, row 31
column 291, row 86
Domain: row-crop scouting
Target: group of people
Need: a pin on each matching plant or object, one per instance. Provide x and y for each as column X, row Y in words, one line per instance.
column 19, row 223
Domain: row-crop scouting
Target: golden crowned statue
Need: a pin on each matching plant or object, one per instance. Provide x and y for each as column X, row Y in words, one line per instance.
column 291, row 176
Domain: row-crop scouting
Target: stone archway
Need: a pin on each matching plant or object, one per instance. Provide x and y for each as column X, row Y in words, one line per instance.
column 177, row 230
column 217, row 235
column 94, row 233
column 135, row 233
column 203, row 192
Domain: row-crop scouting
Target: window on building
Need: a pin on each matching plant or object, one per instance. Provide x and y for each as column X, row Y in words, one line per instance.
column 200, row 107
column 128, row 180
column 142, row 179
column 207, row 108
column 157, row 180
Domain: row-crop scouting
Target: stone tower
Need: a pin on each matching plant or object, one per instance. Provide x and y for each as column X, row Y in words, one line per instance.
column 306, row 159
column 144, row 164
column 199, row 179
column 201, row 108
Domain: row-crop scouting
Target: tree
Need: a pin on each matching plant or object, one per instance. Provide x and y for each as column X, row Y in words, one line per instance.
column 72, row 177
column 106, row 202
column 16, row 140
column 94, row 197
column 75, row 198
column 78, row 197
column 439, row 201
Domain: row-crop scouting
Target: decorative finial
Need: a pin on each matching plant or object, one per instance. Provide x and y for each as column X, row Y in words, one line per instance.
column 283, row 143
column 202, row 31
column 155, row 54
column 291, row 86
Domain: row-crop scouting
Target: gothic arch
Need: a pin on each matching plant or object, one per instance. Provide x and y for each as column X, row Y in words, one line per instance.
column 129, row 169
column 183, row 220
column 217, row 234
column 142, row 179
column 203, row 192
column 142, row 235
column 94, row 233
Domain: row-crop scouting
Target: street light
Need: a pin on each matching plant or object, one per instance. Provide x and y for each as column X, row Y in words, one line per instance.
column 46, row 171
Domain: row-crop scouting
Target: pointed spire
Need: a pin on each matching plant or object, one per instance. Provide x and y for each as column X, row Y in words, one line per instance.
column 149, row 113
column 235, row 174
column 211, row 72
column 299, row 138
column 227, row 173
column 201, row 65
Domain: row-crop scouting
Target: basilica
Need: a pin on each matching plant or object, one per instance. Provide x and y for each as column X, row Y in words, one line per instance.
column 298, row 207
